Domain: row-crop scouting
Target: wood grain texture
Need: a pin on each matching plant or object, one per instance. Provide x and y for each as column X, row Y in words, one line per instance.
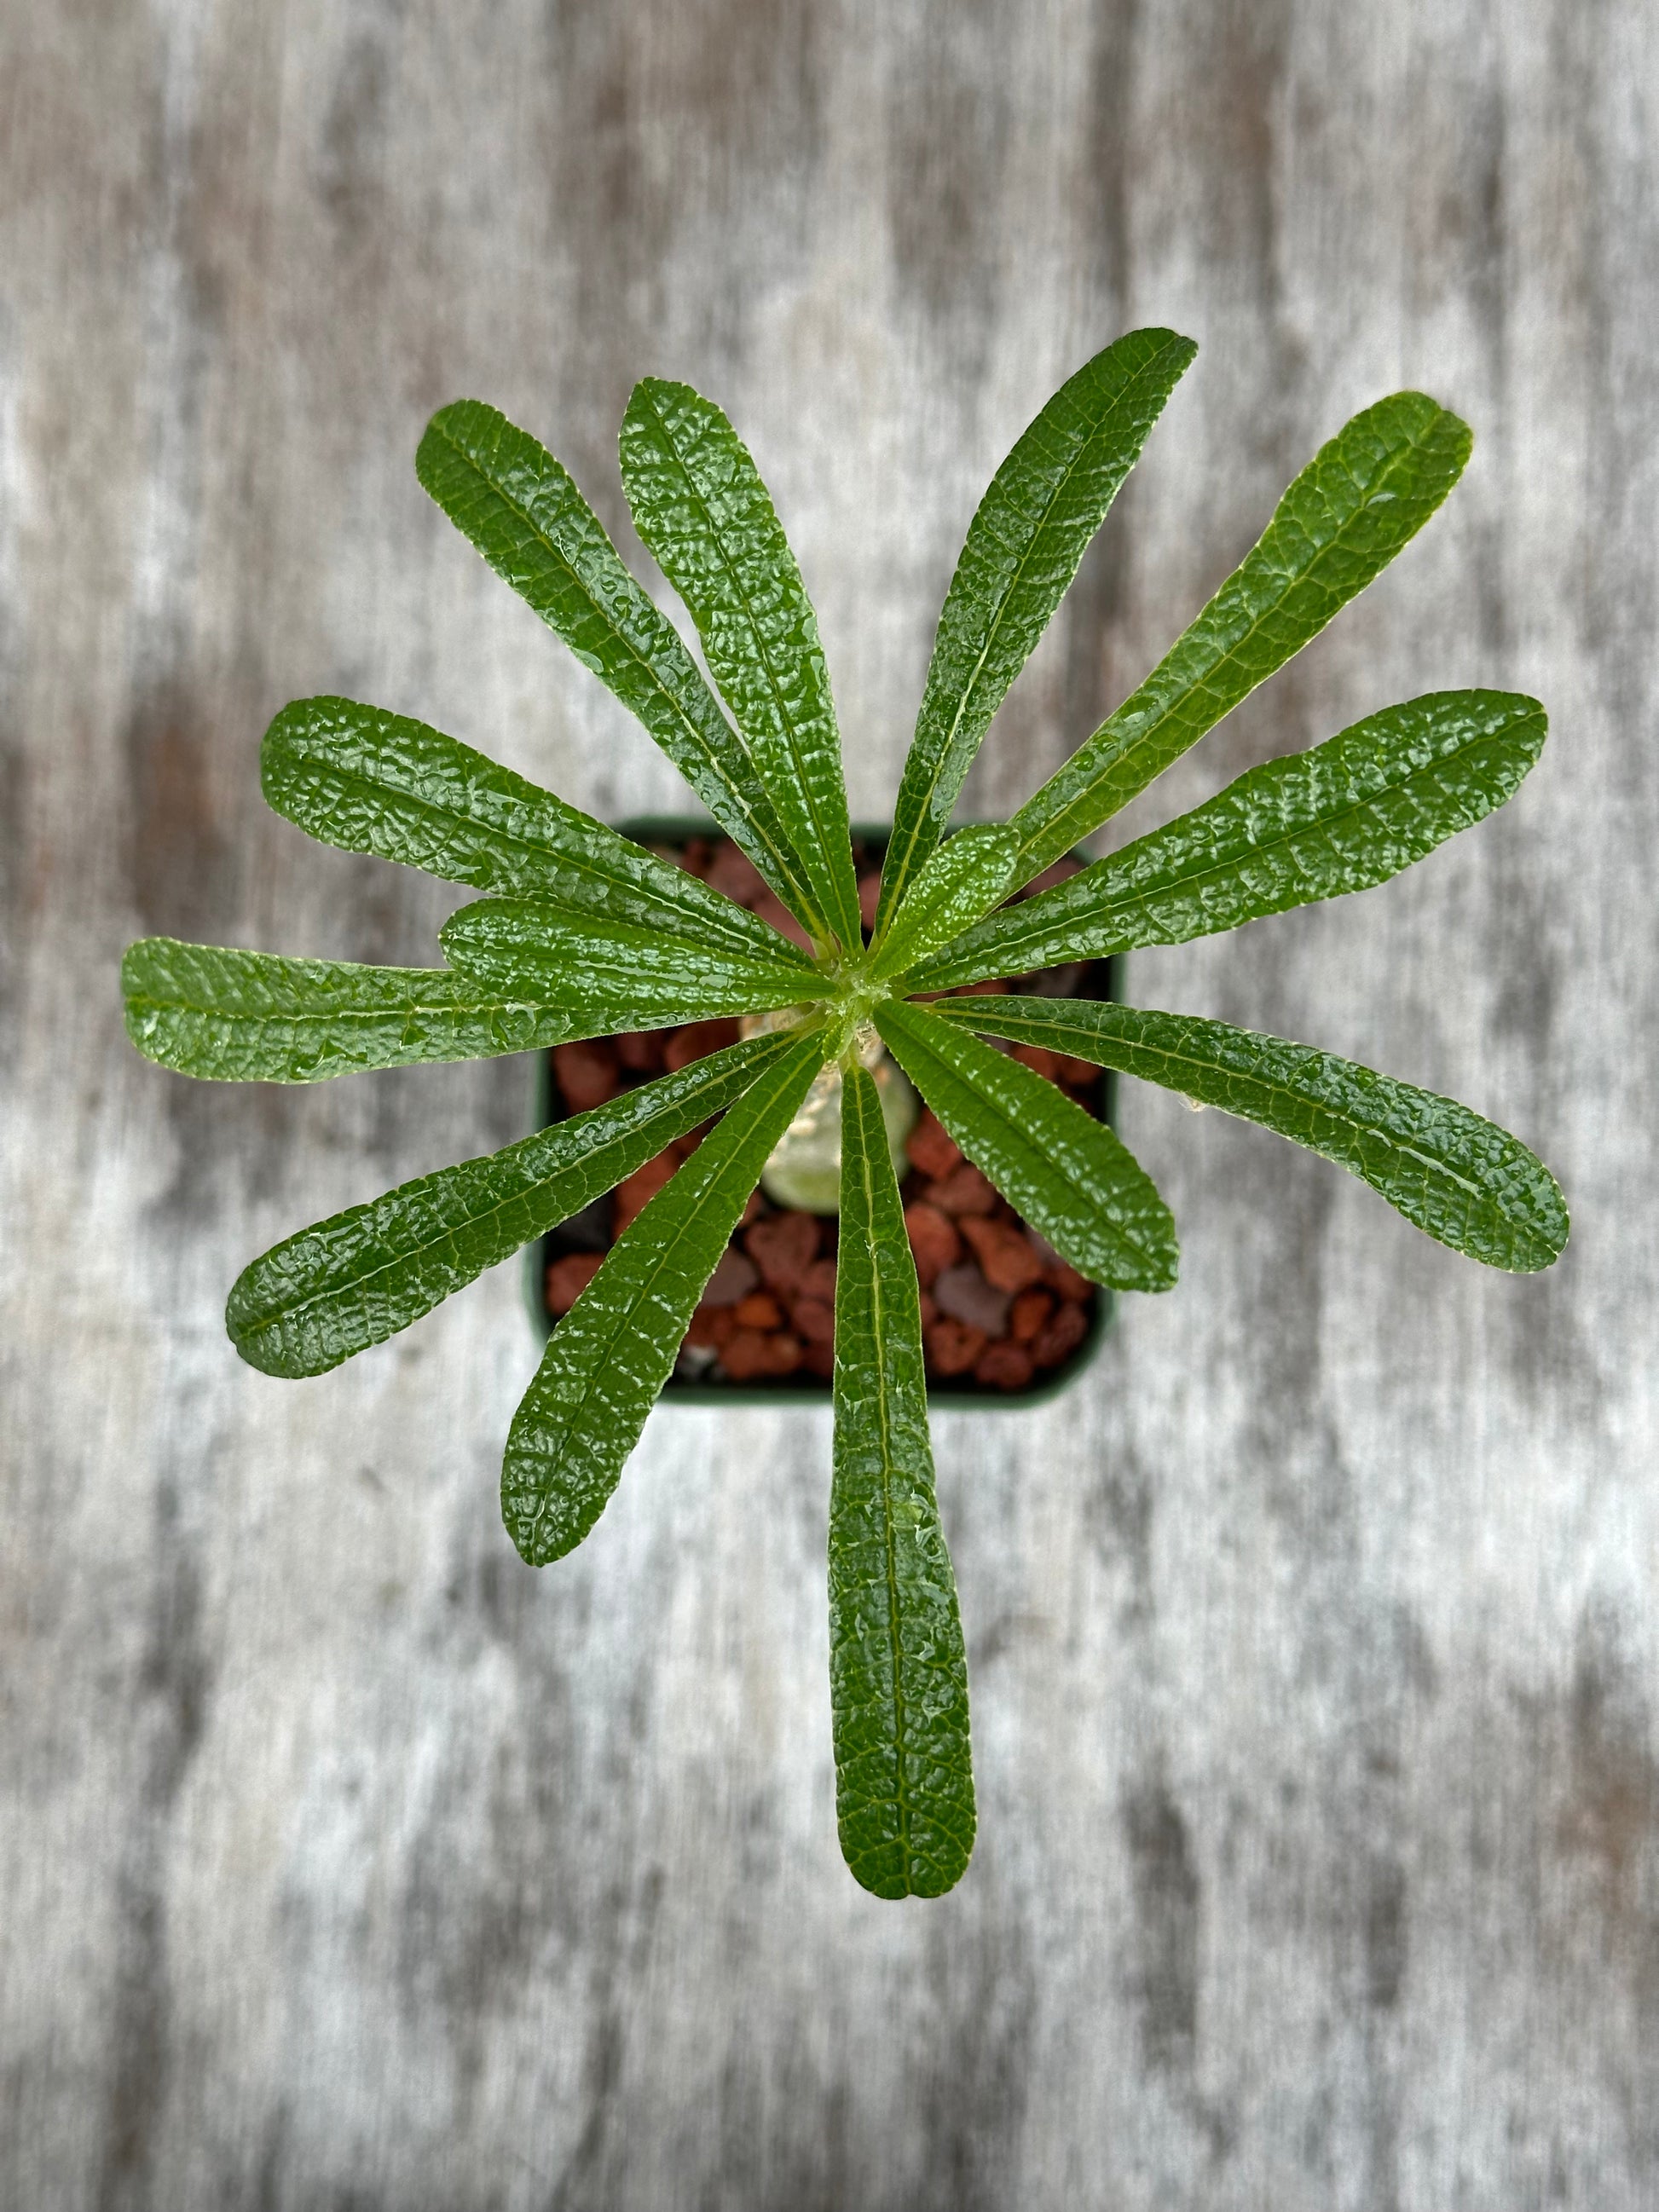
column 1313, row 1643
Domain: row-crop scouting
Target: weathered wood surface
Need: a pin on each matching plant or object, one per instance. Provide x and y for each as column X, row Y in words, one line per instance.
column 345, row 1860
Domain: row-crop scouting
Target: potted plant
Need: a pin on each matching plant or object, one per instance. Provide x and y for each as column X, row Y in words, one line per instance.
column 582, row 932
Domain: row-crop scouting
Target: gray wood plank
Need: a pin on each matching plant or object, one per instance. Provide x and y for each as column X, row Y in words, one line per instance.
column 347, row 1862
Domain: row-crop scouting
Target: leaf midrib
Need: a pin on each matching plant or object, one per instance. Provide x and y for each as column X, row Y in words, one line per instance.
column 1279, row 1091
column 995, row 630
column 1398, row 459
column 555, row 552
column 366, row 785
column 1177, row 885
column 785, row 722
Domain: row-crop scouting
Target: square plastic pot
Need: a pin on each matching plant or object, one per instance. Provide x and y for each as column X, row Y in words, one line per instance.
column 1100, row 978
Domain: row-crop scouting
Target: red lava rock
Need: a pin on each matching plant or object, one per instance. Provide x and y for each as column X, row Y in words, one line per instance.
column 753, row 1354
column 819, row 1281
column 735, row 874
column 569, row 1278
column 1029, row 1315
column 952, row 1346
column 587, row 1072
column 1079, row 1074
column 757, row 1311
column 1004, row 1367
column 1038, row 1058
column 1008, row 1261
column 712, row 1327
column 818, row 1357
column 964, row 1190
column 932, row 1147
column 697, row 1040
column 1064, row 1333
column 1068, row 1281
column 994, row 986
column 783, row 1246
column 770, row 908
column 635, row 1192
column 640, row 1051
column 964, row 1293
column 733, row 1278
column 933, row 1239
column 929, row 1310
column 814, row 1322
column 869, row 897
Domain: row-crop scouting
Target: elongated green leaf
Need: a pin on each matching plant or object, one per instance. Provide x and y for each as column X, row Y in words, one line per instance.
column 1068, row 1174
column 642, row 977
column 357, row 1278
column 1342, row 818
column 1465, row 1182
column 521, row 510
column 236, row 1016
column 1358, row 501
column 964, row 876
column 699, row 504
column 369, row 781
column 898, row 1673
column 612, row 1353
column 1041, row 508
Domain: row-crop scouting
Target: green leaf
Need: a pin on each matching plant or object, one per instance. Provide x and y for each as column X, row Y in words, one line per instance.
column 1068, row 1175
column 370, row 781
column 644, row 977
column 1465, row 1182
column 898, row 1673
column 1346, row 816
column 612, row 1353
column 235, row 1017
column 1041, row 508
column 1358, row 501
column 521, row 510
column 964, row 876
column 358, row 1277
column 699, row 504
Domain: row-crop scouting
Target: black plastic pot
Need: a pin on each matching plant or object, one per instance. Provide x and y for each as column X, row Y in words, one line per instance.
column 1098, row 979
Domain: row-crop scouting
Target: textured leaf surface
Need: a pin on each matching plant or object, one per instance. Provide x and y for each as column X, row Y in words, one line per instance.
column 370, row 781
column 1362, row 498
column 612, row 1352
column 1021, row 551
column 898, row 1674
column 523, row 513
column 1070, row 1175
column 359, row 1278
column 236, row 1016
column 1463, row 1180
column 964, row 876
column 1344, row 816
column 699, row 504
column 644, row 977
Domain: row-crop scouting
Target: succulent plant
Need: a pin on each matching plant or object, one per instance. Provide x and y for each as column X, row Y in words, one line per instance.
column 581, row 933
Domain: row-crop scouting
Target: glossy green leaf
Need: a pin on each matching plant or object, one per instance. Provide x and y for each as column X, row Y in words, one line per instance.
column 1043, row 506
column 236, row 1016
column 523, row 513
column 962, row 877
column 358, row 1277
column 610, row 1355
column 643, row 977
column 1070, row 1175
column 898, row 1673
column 1465, row 1182
column 1346, row 816
column 1360, row 500
column 370, row 781
column 698, row 502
